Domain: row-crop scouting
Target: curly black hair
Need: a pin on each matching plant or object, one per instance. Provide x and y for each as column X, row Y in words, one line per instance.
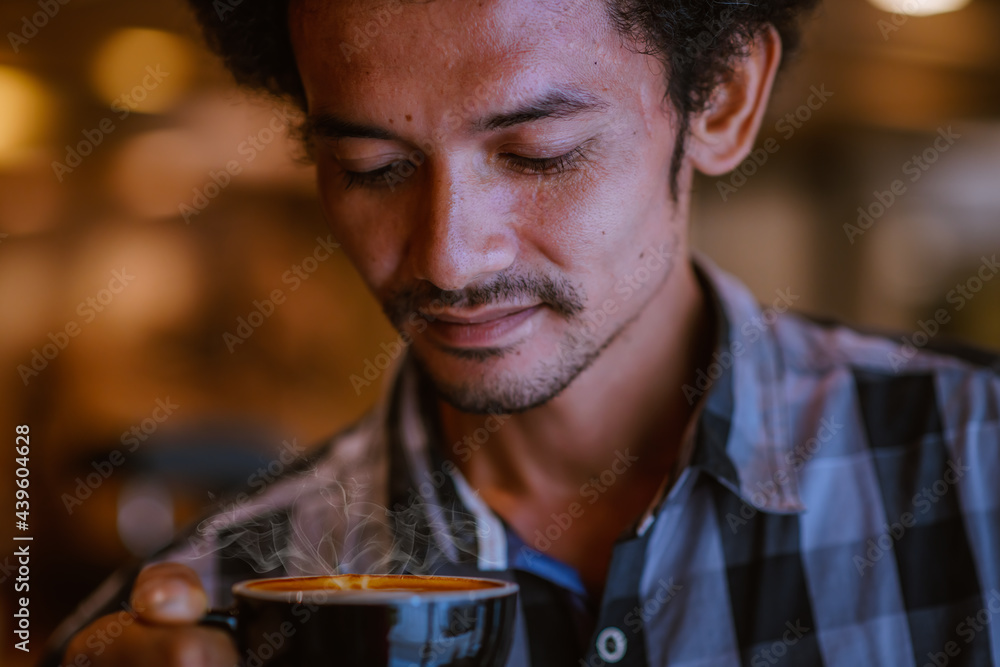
column 696, row 40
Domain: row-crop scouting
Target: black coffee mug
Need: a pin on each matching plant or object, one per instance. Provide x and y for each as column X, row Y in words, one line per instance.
column 371, row 621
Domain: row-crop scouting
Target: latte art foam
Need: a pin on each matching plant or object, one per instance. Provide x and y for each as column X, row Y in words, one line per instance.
column 355, row 584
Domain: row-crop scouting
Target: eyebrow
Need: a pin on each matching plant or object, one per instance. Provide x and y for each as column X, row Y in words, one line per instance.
column 330, row 126
column 556, row 103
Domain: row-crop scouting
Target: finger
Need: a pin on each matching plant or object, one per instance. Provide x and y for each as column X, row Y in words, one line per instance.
column 151, row 646
column 194, row 646
column 171, row 570
column 169, row 594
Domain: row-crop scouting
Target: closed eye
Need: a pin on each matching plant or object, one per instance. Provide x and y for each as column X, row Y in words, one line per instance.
column 548, row 165
column 379, row 178
column 383, row 177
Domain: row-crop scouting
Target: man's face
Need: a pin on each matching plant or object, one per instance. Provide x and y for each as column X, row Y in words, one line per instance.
column 498, row 172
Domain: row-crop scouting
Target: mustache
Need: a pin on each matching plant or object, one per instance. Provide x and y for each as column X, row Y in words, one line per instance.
column 426, row 298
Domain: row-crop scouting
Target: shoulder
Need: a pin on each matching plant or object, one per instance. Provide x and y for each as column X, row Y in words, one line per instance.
column 813, row 345
column 894, row 455
column 913, row 377
column 883, row 409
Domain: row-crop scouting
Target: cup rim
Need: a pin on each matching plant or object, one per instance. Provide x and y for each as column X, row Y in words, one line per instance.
column 498, row 588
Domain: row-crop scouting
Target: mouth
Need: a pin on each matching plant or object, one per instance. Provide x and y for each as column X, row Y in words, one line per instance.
column 481, row 316
column 492, row 327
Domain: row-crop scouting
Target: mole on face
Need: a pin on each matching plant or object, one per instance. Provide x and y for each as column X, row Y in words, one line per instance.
column 409, row 117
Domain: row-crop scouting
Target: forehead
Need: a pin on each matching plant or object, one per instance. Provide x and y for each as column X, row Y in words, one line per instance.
column 448, row 46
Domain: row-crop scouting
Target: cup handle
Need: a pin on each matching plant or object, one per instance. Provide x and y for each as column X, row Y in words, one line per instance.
column 224, row 619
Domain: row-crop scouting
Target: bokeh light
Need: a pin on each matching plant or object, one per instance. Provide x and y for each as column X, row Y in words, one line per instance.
column 26, row 118
column 920, row 7
column 142, row 70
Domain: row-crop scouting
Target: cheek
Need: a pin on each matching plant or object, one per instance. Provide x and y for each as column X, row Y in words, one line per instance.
column 568, row 217
column 591, row 225
column 601, row 229
column 364, row 231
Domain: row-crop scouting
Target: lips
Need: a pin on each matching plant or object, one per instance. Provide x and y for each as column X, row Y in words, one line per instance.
column 493, row 327
column 481, row 317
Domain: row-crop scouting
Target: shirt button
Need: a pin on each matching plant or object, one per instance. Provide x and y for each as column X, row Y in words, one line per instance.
column 611, row 645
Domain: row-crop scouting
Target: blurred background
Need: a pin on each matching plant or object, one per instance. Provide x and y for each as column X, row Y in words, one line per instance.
column 149, row 210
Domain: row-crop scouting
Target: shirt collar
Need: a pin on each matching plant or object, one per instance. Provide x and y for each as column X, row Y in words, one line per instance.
column 742, row 434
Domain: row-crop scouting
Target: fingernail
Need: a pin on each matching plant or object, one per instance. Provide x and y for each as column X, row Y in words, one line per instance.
column 169, row 601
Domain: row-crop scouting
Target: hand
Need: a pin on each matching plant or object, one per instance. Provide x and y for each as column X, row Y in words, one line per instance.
column 167, row 600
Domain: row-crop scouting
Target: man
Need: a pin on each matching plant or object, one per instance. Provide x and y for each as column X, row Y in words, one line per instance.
column 673, row 474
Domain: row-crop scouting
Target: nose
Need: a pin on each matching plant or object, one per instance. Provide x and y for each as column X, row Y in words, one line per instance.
column 460, row 234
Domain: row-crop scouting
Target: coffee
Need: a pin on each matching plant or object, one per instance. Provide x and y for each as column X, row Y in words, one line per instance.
column 372, row 621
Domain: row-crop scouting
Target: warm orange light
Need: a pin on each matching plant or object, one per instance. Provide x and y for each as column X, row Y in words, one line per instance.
column 920, row 7
column 142, row 70
column 26, row 115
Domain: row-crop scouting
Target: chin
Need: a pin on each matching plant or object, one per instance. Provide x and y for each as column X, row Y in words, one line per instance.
column 507, row 380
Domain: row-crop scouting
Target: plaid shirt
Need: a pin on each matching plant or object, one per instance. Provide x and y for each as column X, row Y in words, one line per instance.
column 836, row 503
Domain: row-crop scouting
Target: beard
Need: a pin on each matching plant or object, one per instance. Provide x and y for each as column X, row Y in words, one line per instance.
column 510, row 393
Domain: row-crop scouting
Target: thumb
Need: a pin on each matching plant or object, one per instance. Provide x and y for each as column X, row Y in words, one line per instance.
column 169, row 594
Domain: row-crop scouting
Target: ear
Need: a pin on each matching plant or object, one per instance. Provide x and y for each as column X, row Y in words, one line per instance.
column 723, row 134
